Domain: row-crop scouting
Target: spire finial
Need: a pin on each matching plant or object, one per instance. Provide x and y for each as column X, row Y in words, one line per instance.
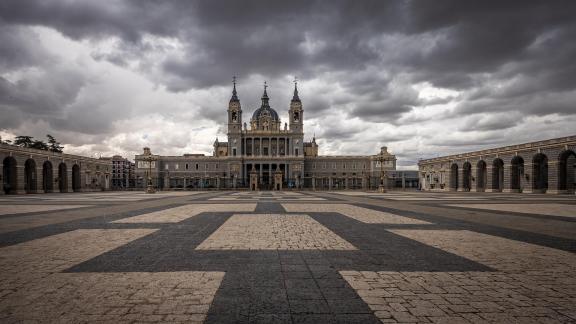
column 234, row 94
column 265, row 95
column 295, row 97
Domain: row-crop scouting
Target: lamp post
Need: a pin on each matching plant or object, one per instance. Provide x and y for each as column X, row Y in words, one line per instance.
column 149, row 188
column 382, row 187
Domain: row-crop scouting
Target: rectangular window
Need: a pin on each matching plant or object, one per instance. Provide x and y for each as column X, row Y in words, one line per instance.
column 196, row 166
column 296, row 151
column 234, row 152
column 333, row 165
column 186, row 166
column 206, row 166
column 343, row 165
column 217, row 165
column 314, row 166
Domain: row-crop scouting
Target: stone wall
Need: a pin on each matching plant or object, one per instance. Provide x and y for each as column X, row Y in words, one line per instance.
column 26, row 170
column 539, row 167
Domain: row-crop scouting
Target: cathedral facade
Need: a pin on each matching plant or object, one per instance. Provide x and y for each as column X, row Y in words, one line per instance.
column 264, row 153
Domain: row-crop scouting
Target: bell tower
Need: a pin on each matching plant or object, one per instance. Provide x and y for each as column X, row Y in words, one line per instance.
column 295, row 114
column 234, row 112
column 234, row 123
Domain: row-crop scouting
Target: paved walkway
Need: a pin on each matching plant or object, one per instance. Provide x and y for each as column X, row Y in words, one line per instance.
column 288, row 257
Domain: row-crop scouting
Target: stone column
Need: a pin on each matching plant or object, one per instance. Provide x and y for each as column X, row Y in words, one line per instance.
column 508, row 178
column 69, row 180
column 527, row 185
column 489, row 179
column 260, row 172
column 329, row 183
column 460, row 178
column 474, row 178
column 20, row 174
column 40, row 180
column 553, row 181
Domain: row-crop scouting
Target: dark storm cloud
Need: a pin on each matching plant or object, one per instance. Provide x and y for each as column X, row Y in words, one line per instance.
column 272, row 38
column 362, row 57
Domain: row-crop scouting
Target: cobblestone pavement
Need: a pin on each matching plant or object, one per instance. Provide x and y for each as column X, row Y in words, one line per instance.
column 288, row 257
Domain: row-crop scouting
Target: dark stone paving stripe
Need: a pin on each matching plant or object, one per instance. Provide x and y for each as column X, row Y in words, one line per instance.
column 101, row 221
column 269, row 208
column 381, row 250
column 511, row 213
column 508, row 233
column 48, row 212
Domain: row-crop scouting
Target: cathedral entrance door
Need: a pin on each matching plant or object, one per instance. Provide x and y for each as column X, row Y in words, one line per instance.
column 253, row 180
column 266, row 181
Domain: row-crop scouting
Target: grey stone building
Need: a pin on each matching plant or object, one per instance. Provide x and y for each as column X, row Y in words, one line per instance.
column 263, row 153
column 539, row 167
column 123, row 175
column 27, row 170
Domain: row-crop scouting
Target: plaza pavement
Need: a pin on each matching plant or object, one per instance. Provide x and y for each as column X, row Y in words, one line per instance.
column 288, row 257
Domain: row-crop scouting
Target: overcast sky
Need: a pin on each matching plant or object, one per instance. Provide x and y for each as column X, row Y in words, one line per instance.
column 424, row 78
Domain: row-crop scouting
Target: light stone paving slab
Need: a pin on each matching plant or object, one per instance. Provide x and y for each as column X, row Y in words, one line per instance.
column 361, row 214
column 59, row 252
column 497, row 252
column 273, row 232
column 165, row 297
column 542, row 209
column 19, row 209
column 178, row 214
column 466, row 297
column 437, row 198
column 10, row 224
column 536, row 284
column 266, row 198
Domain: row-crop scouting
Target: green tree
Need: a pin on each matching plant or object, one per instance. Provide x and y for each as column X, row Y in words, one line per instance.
column 53, row 145
column 24, row 141
column 38, row 144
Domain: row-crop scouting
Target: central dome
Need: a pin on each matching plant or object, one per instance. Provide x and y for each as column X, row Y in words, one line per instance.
column 265, row 111
column 265, row 118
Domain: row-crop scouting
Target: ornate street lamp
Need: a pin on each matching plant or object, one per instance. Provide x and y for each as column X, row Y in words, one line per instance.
column 382, row 187
column 149, row 188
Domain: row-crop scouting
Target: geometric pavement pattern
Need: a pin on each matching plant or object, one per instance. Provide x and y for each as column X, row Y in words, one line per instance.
column 289, row 257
